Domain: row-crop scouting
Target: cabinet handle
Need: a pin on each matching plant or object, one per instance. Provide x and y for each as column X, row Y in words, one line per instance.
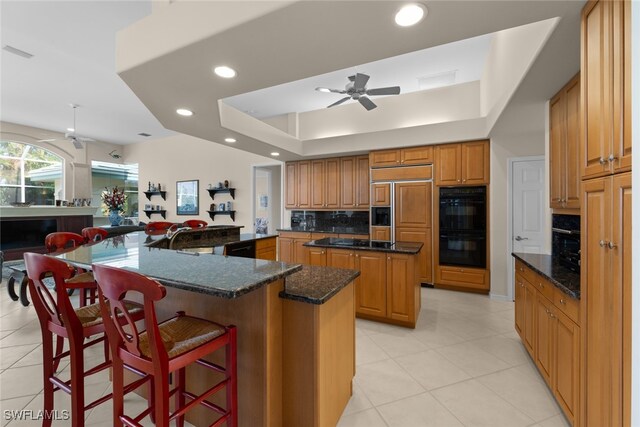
column 612, row 245
column 350, row 254
column 389, row 258
column 602, row 243
column 464, row 180
column 541, row 285
column 553, row 316
column 602, row 161
column 612, row 158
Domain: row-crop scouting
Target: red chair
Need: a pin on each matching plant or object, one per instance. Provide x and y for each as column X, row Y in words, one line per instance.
column 62, row 240
column 58, row 317
column 157, row 226
column 195, row 223
column 94, row 234
column 163, row 349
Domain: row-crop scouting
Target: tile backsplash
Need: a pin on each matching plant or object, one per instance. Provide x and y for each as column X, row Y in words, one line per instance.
column 312, row 219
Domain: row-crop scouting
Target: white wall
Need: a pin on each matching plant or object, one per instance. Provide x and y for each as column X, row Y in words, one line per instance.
column 182, row 157
column 520, row 132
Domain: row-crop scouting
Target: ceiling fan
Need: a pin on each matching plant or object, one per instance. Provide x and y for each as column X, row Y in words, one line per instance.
column 357, row 89
column 77, row 140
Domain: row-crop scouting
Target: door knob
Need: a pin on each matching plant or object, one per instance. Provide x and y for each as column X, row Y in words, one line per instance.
column 519, row 238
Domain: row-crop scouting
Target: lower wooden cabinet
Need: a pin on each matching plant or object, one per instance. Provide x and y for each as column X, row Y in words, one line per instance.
column 266, row 249
column 552, row 338
column 318, row 256
column 387, row 289
column 291, row 246
column 425, row 257
column 463, row 277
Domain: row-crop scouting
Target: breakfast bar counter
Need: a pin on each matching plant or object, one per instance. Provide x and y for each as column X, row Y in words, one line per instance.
column 296, row 350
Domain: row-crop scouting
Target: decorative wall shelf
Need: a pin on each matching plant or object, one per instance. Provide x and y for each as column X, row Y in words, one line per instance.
column 162, row 212
column 214, row 191
column 232, row 214
column 162, row 194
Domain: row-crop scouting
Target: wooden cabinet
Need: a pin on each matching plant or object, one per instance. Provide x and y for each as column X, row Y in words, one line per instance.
column 425, row 257
column 362, row 182
column 266, row 249
column 371, row 285
column 606, row 89
column 387, row 289
column 325, row 184
column 412, row 204
column 318, row 256
column 381, row 194
column 292, row 249
column 463, row 277
column 462, row 164
column 401, row 157
column 297, row 185
column 551, row 337
column 606, row 289
column 564, row 147
column 381, row 233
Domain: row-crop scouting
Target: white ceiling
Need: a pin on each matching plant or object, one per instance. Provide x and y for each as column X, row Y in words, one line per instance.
column 465, row 59
column 73, row 43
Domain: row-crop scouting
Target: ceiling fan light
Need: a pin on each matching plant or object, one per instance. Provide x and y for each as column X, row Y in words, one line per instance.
column 225, row 72
column 323, row 89
column 275, row 154
column 71, row 130
column 410, row 14
column 230, row 140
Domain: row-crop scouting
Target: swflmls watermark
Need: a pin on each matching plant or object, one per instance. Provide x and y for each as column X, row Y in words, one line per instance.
column 30, row 415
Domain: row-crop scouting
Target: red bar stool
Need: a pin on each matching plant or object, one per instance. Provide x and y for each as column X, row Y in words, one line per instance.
column 63, row 240
column 157, row 226
column 58, row 317
column 94, row 234
column 163, row 349
column 195, row 223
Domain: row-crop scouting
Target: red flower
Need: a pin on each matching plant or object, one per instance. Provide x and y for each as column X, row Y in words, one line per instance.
column 114, row 199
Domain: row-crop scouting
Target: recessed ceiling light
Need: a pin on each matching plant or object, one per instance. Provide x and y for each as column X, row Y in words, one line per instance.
column 184, row 112
column 410, row 14
column 230, row 140
column 71, row 130
column 275, row 154
column 224, row 71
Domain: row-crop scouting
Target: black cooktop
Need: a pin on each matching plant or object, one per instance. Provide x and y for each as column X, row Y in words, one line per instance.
column 357, row 243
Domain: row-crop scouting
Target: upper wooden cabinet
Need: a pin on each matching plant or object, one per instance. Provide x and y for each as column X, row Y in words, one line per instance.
column 401, row 157
column 325, row 184
column 465, row 163
column 606, row 88
column 297, row 185
column 564, row 146
column 412, row 204
column 354, row 177
column 381, row 194
column 336, row 183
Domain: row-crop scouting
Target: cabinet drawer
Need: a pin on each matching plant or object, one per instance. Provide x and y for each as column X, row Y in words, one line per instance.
column 295, row 235
column 569, row 306
column 466, row 277
column 526, row 272
column 381, row 233
column 544, row 286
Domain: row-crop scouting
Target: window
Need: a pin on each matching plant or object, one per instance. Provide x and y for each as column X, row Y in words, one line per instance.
column 108, row 175
column 29, row 174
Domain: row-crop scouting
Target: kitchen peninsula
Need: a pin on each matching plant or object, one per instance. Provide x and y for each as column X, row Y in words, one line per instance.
column 296, row 349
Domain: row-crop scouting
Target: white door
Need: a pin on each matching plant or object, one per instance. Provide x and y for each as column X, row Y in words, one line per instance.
column 528, row 232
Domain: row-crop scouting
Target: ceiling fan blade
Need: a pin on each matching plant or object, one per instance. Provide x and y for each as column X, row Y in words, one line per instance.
column 360, row 81
column 391, row 90
column 46, row 140
column 77, row 143
column 346, row 98
column 367, row 103
column 326, row 89
column 85, row 139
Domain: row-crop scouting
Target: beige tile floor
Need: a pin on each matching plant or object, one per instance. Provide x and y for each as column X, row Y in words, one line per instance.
column 463, row 365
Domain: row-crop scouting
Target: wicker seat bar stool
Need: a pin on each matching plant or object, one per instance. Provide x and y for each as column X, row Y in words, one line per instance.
column 164, row 348
column 83, row 327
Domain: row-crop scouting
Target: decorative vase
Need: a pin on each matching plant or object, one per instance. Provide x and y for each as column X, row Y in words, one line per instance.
column 115, row 218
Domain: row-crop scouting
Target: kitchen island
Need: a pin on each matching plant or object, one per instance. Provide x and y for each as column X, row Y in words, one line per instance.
column 296, row 350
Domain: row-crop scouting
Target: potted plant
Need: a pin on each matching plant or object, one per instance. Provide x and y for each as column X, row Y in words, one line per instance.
column 114, row 201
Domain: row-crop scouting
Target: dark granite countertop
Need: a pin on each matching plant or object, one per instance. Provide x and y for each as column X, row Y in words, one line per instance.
column 316, row 285
column 366, row 245
column 216, row 246
column 563, row 278
column 328, row 230
column 221, row 276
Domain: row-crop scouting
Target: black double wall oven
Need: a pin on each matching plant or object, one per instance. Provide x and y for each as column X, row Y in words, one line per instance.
column 463, row 226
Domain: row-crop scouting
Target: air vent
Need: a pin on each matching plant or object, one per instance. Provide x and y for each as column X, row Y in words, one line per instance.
column 437, row 80
column 144, row 134
column 16, row 51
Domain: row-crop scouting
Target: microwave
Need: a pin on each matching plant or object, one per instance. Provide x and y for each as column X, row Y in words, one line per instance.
column 381, row 216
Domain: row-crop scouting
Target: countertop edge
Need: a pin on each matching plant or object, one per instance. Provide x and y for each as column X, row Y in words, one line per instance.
column 394, row 250
column 555, row 282
column 326, row 297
